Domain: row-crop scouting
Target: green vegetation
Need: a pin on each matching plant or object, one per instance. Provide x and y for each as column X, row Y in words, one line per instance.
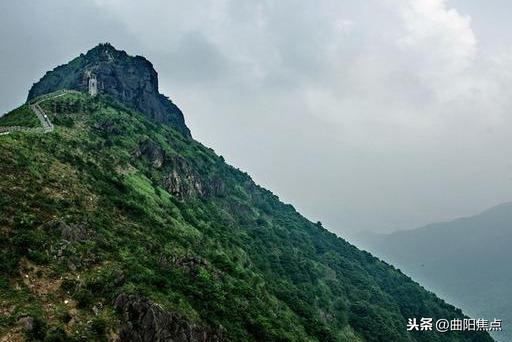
column 111, row 203
column 21, row 116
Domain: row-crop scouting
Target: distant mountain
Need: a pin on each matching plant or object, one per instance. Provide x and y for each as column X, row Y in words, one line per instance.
column 116, row 225
column 465, row 261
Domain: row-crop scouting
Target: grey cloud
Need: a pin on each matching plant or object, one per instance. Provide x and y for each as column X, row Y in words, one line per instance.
column 194, row 59
column 365, row 115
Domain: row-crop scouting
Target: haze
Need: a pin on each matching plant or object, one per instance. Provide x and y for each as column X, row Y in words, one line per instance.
column 375, row 115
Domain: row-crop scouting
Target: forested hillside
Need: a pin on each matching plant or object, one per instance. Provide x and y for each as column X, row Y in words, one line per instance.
column 115, row 226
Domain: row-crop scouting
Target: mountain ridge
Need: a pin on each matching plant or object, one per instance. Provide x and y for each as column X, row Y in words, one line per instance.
column 119, row 227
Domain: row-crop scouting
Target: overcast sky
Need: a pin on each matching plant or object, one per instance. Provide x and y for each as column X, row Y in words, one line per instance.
column 365, row 115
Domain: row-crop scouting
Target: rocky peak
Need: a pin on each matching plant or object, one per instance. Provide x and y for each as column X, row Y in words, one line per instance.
column 106, row 52
column 131, row 80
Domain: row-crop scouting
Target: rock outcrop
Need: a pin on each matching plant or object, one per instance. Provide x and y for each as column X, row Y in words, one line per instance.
column 143, row 321
column 183, row 181
column 131, row 80
column 154, row 153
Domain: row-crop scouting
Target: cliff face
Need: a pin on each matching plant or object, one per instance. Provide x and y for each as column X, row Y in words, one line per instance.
column 131, row 80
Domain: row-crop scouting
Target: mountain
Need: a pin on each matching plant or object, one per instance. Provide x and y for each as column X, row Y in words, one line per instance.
column 130, row 80
column 466, row 261
column 118, row 226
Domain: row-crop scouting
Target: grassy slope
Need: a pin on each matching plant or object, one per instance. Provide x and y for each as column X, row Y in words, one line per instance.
column 264, row 272
column 21, row 116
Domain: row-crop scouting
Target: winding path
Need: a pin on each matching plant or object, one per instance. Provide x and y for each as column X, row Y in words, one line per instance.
column 43, row 118
column 46, row 124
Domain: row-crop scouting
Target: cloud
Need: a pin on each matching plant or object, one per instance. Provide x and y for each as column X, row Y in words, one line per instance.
column 365, row 115
column 438, row 41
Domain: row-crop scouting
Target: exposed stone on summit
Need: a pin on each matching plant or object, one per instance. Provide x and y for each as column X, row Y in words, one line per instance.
column 131, row 80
